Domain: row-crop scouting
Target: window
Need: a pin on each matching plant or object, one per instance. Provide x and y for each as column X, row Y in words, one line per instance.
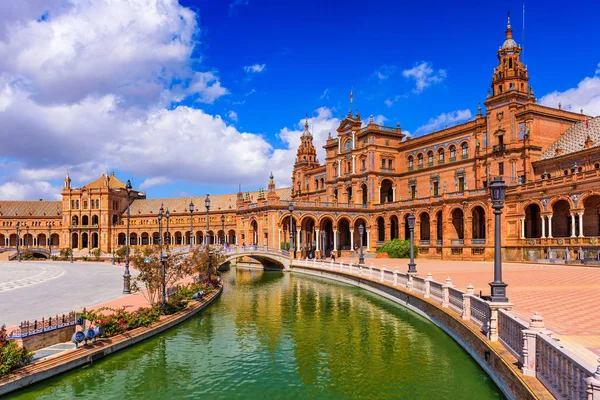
column 430, row 158
column 485, row 140
column 383, row 163
column 461, row 184
column 413, row 191
column 452, row 153
column 420, row 160
column 436, row 188
column 363, row 164
column 410, row 163
column 390, row 164
column 465, row 150
column 501, row 168
column 521, row 130
column 85, row 205
column 441, row 156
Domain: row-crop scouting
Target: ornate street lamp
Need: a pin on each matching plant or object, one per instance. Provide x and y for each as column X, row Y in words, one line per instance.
column 191, row 206
column 163, row 262
column 127, row 275
column 411, row 226
column 49, row 225
column 498, row 195
column 161, row 212
column 168, row 240
column 324, row 241
column 71, row 246
column 113, row 241
column 291, row 208
column 223, row 229
column 26, row 235
column 361, row 258
column 17, row 227
column 207, row 206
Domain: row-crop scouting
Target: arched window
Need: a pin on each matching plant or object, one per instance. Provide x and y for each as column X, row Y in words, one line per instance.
column 441, row 156
column 452, row 153
column 465, row 150
column 348, row 145
column 430, row 158
column 411, row 162
column 420, row 160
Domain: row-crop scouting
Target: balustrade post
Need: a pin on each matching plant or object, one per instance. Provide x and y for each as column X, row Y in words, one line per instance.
column 492, row 332
column 409, row 283
column 466, row 315
column 427, row 288
column 593, row 384
column 446, row 292
column 528, row 358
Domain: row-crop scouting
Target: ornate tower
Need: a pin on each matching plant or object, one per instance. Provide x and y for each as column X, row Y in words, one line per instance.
column 306, row 158
column 510, row 80
column 67, row 182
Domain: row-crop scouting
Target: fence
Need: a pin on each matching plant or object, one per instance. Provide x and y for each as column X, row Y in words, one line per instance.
column 557, row 367
column 28, row 328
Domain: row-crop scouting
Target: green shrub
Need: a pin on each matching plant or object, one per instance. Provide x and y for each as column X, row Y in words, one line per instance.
column 27, row 255
column 284, row 245
column 11, row 355
column 397, row 248
column 121, row 252
column 97, row 253
column 117, row 321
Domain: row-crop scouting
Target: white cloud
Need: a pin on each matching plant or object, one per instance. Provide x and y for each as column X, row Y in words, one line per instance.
column 384, row 72
column 377, row 119
column 443, row 120
column 29, row 190
column 325, row 95
column 391, row 101
column 154, row 181
column 207, row 86
column 255, row 69
column 234, row 5
column 585, row 96
column 424, row 75
column 232, row 115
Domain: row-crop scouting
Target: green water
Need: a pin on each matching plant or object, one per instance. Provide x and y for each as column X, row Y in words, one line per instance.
column 284, row 336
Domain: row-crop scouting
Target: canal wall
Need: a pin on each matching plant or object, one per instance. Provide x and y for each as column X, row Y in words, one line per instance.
column 69, row 360
column 495, row 360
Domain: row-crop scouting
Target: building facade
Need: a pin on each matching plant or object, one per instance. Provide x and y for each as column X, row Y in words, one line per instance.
column 375, row 176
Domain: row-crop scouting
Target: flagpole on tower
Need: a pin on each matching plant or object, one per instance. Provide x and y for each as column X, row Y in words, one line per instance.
column 350, row 110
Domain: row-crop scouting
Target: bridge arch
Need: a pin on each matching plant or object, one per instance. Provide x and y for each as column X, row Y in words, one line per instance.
column 270, row 259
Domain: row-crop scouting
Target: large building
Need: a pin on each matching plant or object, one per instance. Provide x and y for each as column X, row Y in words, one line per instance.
column 375, row 176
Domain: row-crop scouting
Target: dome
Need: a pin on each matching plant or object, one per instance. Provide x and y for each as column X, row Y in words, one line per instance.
column 509, row 44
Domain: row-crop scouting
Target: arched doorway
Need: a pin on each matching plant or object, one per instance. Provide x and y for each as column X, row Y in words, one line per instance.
column 84, row 240
column 591, row 216
column 424, row 227
column 178, row 238
column 94, row 240
column 75, row 220
column 199, row 237
column 406, row 228
column 74, row 241
column 349, row 194
column 289, row 235
column 254, row 233
column 439, row 227
column 41, row 240
column 133, row 239
column 357, row 238
column 94, row 220
column 12, row 240
column 307, row 237
column 231, row 237
column 121, row 239
column 478, row 225
column 85, row 221
column 561, row 219
column 458, row 225
column 393, row 227
column 533, row 221
column 156, row 238
column 386, row 191
column 380, row 229
column 344, row 234
column 145, row 239
column 55, row 240
column 326, row 236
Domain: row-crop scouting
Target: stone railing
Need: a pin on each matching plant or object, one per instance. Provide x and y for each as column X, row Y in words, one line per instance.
column 539, row 354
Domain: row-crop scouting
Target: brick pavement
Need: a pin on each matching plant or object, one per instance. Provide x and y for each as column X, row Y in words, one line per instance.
column 564, row 295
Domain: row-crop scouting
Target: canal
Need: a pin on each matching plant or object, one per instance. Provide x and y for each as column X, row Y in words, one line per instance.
column 273, row 335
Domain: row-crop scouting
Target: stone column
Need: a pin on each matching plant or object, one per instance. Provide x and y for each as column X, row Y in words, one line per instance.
column 279, row 238
column 318, row 240
column 536, row 325
column 573, row 225
column 466, row 315
column 550, row 226
column 593, row 384
column 335, row 240
column 368, row 240
column 580, row 224
column 352, row 239
column 522, row 228
column 393, row 193
column 543, row 227
column 492, row 333
column 339, row 169
column 446, row 292
column 353, row 164
column 298, row 232
column 379, row 194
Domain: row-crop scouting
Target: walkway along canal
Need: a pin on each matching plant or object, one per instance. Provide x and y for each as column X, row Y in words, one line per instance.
column 281, row 335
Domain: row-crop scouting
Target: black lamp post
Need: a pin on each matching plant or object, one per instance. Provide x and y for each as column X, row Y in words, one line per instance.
column 49, row 224
column 324, row 241
column 361, row 258
column 26, row 235
column 223, row 230
column 191, row 206
column 207, row 206
column 71, row 246
column 161, row 212
column 113, row 241
column 168, row 240
column 127, row 275
column 411, row 227
column 163, row 265
column 498, row 195
column 18, row 228
column 291, row 208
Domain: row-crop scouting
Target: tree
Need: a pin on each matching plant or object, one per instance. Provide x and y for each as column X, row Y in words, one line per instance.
column 148, row 262
column 397, row 248
column 202, row 264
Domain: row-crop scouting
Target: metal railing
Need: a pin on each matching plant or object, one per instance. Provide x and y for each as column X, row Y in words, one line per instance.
column 28, row 328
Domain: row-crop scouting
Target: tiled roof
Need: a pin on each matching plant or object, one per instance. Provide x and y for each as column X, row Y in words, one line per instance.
column 19, row 208
column 574, row 138
column 113, row 183
column 219, row 202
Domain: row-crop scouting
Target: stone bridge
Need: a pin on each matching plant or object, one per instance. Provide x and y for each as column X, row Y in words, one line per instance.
column 270, row 258
column 36, row 251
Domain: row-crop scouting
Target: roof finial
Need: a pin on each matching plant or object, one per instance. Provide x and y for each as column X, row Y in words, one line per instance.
column 508, row 24
column 306, row 123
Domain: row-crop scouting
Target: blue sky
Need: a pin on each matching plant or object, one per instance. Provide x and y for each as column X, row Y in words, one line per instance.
column 199, row 96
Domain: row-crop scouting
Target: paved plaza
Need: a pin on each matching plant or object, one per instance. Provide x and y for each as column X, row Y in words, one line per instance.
column 32, row 290
column 564, row 295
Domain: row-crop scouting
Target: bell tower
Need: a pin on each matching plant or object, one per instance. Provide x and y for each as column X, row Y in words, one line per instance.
column 306, row 158
column 510, row 79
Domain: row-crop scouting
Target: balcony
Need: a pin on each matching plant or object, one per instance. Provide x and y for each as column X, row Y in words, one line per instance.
column 438, row 242
column 478, row 241
column 83, row 227
column 420, row 166
column 452, row 159
column 410, row 168
column 424, row 242
column 430, row 164
column 498, row 148
column 464, row 156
